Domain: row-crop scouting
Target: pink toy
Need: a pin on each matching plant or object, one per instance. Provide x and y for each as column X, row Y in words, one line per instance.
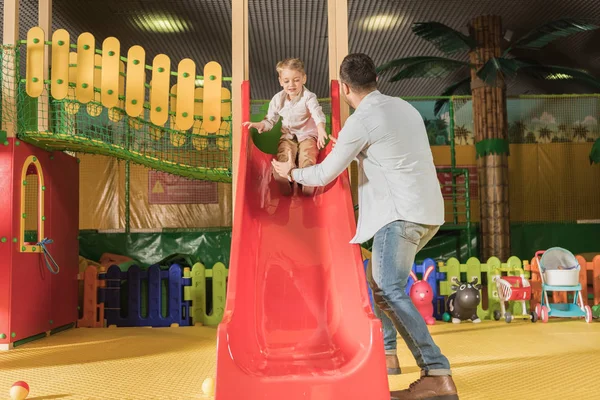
column 421, row 294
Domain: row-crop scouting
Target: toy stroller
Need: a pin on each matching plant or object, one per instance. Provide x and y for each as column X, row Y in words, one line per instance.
column 513, row 288
column 559, row 270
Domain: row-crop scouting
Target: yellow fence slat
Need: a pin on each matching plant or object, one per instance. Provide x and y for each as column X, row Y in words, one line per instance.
column 35, row 62
column 86, row 49
column 117, row 113
column 177, row 139
column 223, row 143
column 94, row 108
column 136, row 77
column 60, row 64
column 111, row 51
column 159, row 90
column 186, row 79
column 212, row 97
column 200, row 143
column 72, row 106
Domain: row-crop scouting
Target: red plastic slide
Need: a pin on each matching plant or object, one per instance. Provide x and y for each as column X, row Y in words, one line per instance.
column 298, row 323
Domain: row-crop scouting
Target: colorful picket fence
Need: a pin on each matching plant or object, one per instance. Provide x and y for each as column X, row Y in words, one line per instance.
column 485, row 273
column 155, row 297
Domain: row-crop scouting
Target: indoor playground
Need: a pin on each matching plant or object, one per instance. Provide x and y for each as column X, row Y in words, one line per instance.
column 146, row 251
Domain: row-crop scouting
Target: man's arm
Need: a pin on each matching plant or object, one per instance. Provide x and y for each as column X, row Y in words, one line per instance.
column 352, row 140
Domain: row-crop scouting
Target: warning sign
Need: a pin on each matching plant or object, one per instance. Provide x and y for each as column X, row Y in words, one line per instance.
column 158, row 188
column 164, row 188
column 445, row 179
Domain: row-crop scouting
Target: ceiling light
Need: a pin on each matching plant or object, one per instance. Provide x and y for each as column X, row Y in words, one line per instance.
column 558, row 76
column 161, row 23
column 380, row 22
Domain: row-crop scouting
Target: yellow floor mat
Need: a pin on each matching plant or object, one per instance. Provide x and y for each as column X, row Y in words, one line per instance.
column 491, row 360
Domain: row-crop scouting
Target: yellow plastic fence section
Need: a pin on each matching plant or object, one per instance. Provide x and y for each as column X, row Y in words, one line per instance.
column 475, row 269
column 106, row 84
column 176, row 121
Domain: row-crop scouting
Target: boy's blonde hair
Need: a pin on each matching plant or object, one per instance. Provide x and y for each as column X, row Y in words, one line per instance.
column 295, row 64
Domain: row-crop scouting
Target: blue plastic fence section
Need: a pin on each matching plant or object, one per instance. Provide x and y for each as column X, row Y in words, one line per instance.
column 178, row 311
column 439, row 304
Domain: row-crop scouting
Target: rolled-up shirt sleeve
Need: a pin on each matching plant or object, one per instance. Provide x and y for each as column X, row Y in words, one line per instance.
column 272, row 114
column 353, row 138
column 315, row 109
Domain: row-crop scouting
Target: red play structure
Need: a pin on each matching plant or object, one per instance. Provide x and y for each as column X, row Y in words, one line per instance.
column 40, row 200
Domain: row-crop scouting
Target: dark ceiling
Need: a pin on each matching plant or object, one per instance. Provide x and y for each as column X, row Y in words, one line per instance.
column 284, row 28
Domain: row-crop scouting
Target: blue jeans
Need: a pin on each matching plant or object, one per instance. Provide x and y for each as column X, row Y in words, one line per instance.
column 394, row 249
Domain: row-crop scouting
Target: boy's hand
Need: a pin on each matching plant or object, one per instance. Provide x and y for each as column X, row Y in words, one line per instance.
column 322, row 139
column 333, row 141
column 259, row 126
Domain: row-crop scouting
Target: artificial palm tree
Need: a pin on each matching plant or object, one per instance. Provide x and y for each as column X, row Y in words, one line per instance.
column 489, row 65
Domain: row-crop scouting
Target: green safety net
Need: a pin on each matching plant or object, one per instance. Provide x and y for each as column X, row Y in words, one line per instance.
column 68, row 125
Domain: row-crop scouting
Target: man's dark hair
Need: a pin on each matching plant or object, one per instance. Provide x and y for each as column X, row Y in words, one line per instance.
column 358, row 72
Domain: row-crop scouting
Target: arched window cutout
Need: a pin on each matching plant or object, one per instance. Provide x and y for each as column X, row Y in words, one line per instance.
column 32, row 206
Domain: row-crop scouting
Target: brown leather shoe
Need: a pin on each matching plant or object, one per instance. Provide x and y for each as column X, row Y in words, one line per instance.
column 428, row 387
column 392, row 364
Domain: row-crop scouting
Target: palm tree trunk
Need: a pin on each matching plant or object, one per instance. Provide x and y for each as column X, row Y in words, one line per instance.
column 490, row 122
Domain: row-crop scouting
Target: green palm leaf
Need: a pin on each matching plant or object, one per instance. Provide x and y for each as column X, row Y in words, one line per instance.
column 551, row 31
column 595, row 153
column 443, row 37
column 432, row 67
column 554, row 72
column 461, row 87
column 508, row 67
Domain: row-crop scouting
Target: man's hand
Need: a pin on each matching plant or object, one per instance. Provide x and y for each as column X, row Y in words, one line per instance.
column 322, row 139
column 259, row 126
column 333, row 141
column 284, row 168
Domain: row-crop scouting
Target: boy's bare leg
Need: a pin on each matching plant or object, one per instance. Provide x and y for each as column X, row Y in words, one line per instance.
column 307, row 157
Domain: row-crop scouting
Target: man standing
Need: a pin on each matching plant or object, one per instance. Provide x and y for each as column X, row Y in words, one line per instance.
column 401, row 206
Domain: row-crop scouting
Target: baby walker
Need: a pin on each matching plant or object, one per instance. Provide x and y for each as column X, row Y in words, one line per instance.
column 559, row 270
column 513, row 288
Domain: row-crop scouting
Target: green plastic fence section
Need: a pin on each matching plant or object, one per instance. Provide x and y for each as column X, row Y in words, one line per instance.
column 197, row 293
column 484, row 273
column 67, row 125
